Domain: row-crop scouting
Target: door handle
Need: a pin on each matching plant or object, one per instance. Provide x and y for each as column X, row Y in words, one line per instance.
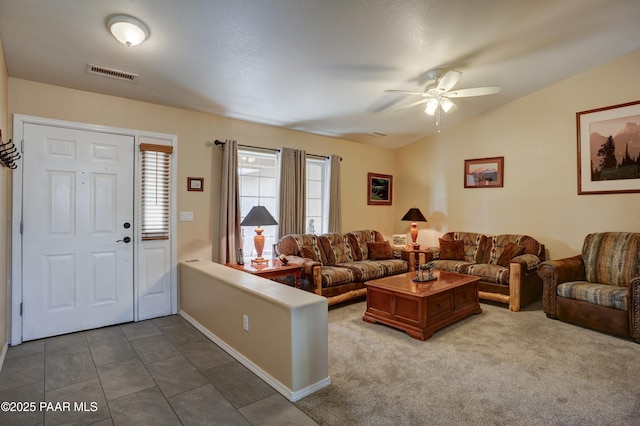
column 125, row 239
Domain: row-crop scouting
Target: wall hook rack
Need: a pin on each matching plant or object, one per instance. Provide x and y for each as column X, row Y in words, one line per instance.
column 8, row 153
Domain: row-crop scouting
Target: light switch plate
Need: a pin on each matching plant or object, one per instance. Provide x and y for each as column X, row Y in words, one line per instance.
column 186, row 216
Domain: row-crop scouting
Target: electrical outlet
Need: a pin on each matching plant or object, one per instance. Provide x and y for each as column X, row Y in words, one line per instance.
column 245, row 322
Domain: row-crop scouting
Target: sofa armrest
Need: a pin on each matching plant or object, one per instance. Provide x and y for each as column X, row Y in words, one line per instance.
column 307, row 264
column 529, row 262
column 634, row 309
column 555, row 272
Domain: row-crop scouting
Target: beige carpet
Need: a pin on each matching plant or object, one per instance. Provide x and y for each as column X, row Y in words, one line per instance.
column 496, row 368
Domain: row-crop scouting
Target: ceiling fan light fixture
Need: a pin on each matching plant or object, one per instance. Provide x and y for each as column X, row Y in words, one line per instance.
column 127, row 30
column 432, row 106
column 446, row 104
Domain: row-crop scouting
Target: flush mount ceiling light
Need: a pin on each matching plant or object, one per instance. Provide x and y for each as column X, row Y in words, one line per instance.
column 128, row 30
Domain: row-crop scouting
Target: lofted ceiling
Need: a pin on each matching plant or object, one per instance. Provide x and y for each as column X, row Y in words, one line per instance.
column 318, row 66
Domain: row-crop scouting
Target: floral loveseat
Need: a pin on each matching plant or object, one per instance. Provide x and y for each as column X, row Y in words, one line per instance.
column 506, row 264
column 337, row 265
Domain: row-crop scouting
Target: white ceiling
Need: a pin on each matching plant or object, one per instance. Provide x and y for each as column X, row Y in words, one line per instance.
column 319, row 66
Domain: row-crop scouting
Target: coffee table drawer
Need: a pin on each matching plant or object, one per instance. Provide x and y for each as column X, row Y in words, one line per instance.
column 439, row 305
column 464, row 296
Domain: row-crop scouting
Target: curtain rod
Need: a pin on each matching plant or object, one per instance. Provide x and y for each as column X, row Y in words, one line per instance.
column 217, row 142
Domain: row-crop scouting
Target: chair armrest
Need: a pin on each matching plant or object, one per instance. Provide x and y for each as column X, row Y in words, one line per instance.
column 634, row 309
column 554, row 272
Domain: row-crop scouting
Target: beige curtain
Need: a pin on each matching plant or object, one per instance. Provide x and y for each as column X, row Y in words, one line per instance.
column 333, row 208
column 292, row 197
column 230, row 239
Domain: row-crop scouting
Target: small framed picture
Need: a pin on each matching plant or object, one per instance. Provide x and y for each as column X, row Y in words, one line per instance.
column 379, row 189
column 484, row 173
column 195, row 184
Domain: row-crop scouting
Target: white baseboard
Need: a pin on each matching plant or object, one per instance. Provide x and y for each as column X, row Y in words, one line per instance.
column 5, row 348
column 270, row 380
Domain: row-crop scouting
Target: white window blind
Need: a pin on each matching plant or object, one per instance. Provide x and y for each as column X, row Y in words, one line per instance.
column 155, row 191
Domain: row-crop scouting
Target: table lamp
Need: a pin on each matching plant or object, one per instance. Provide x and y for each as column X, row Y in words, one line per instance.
column 259, row 216
column 414, row 215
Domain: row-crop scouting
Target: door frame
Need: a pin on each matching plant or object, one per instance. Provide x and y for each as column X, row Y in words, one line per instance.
column 16, row 285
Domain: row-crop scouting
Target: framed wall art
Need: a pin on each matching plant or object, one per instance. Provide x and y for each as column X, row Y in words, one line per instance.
column 609, row 149
column 379, row 189
column 484, row 172
column 195, row 184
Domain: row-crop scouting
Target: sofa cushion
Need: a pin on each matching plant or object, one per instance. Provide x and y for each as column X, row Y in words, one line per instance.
column 510, row 251
column 474, row 244
column 366, row 270
column 498, row 243
column 335, row 275
column 611, row 257
column 309, row 253
column 451, row 250
column 359, row 239
column 336, row 248
column 292, row 244
column 451, row 265
column 611, row 296
column 487, row 272
column 380, row 251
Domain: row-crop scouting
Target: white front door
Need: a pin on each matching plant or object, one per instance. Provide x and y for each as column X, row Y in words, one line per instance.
column 77, row 260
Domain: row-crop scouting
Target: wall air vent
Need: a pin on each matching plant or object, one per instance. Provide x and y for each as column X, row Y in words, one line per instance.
column 110, row 72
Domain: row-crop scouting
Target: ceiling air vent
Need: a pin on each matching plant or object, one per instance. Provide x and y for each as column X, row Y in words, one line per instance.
column 110, row 72
column 377, row 134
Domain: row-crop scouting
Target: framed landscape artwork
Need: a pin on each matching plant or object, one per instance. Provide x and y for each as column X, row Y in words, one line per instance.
column 484, row 173
column 379, row 189
column 609, row 149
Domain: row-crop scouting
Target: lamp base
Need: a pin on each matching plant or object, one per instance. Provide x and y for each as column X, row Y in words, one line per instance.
column 259, row 260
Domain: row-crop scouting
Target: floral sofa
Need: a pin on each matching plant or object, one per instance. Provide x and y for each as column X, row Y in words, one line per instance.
column 598, row 288
column 337, row 265
column 506, row 264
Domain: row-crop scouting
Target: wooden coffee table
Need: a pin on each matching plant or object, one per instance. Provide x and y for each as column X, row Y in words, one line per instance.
column 421, row 308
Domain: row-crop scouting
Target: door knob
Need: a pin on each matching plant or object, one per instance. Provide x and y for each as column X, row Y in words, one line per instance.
column 127, row 225
column 125, row 239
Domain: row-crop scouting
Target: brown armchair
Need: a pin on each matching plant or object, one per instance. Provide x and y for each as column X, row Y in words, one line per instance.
column 598, row 289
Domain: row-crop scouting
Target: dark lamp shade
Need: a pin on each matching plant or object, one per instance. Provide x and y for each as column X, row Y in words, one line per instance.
column 414, row 215
column 258, row 216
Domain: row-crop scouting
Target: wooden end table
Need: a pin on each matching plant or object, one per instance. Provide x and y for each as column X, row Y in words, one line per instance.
column 421, row 308
column 271, row 270
column 416, row 257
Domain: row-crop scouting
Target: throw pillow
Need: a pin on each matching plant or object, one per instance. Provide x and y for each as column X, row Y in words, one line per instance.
column 451, row 250
column 380, row 251
column 307, row 252
column 510, row 251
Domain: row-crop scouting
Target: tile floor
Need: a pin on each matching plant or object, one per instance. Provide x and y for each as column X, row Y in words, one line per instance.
column 156, row 372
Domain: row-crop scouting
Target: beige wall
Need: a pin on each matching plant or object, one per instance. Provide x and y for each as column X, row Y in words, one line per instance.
column 198, row 158
column 537, row 137
column 287, row 335
column 5, row 182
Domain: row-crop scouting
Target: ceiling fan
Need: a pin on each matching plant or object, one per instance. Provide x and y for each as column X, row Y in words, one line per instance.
column 437, row 95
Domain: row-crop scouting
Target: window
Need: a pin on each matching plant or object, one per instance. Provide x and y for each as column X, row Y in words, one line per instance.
column 258, row 185
column 257, row 176
column 315, row 197
column 155, row 191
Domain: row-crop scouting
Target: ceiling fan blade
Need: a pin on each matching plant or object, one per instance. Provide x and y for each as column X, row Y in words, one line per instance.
column 475, row 91
column 407, row 92
column 449, row 80
column 421, row 101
